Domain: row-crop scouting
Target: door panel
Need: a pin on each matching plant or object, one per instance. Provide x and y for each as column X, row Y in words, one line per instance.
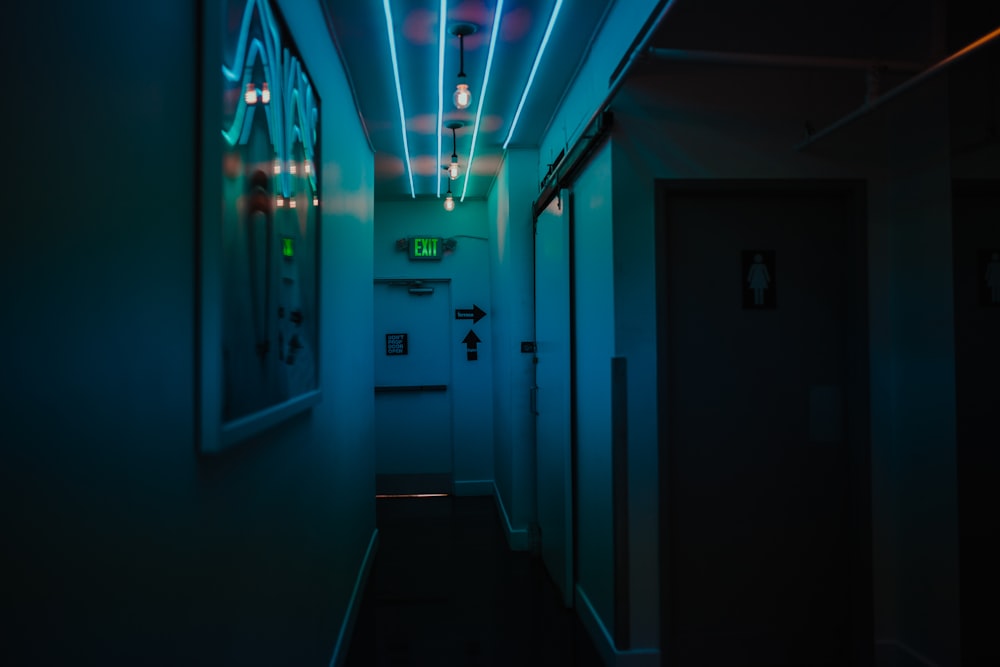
column 760, row 516
column 552, row 379
column 976, row 211
column 413, row 422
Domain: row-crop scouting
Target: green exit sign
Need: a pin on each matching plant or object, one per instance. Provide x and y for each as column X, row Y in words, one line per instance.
column 426, row 247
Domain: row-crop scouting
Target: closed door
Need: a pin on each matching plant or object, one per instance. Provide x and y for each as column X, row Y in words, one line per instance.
column 413, row 421
column 765, row 411
column 976, row 213
column 552, row 380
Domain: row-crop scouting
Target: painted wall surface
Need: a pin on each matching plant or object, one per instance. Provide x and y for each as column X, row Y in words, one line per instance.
column 511, row 271
column 922, row 479
column 732, row 123
column 468, row 268
column 121, row 545
column 593, row 248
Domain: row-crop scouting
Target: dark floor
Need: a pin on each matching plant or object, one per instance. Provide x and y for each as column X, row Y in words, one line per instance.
column 446, row 590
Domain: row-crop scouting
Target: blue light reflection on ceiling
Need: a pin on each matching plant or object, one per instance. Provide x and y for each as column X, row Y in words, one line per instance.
column 534, row 68
column 399, row 93
column 440, row 116
column 497, row 14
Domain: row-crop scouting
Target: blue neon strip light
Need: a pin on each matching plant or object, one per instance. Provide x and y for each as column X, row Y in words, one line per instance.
column 482, row 95
column 444, row 16
column 534, row 68
column 399, row 93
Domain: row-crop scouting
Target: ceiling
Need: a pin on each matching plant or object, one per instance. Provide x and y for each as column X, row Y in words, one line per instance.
column 908, row 32
column 360, row 32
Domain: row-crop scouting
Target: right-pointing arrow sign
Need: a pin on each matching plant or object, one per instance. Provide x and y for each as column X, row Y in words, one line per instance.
column 471, row 340
column 475, row 313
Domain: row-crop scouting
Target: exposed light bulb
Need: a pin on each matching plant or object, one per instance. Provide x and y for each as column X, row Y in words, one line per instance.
column 453, row 169
column 265, row 94
column 463, row 96
column 449, row 203
column 251, row 95
column 277, row 166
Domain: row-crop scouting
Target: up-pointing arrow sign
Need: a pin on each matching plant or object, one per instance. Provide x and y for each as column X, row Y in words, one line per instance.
column 471, row 340
column 475, row 313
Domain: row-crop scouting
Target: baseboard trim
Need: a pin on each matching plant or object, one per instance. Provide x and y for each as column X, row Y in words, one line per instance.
column 610, row 654
column 916, row 656
column 343, row 644
column 517, row 538
column 474, row 487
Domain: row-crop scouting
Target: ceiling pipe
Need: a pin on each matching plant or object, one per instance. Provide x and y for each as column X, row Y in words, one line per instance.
column 778, row 60
column 963, row 53
column 552, row 182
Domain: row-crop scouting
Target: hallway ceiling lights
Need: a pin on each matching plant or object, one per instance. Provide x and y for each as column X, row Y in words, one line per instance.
column 399, row 93
column 403, row 71
column 482, row 95
column 442, row 14
column 462, row 96
column 453, row 165
column 534, row 68
column 449, row 200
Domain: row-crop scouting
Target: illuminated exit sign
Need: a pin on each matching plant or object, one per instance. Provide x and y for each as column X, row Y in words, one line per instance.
column 426, row 247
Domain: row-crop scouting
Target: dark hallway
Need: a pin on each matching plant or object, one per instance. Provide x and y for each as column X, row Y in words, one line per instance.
column 446, row 590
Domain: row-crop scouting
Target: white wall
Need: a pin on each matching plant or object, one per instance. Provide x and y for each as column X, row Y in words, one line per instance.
column 122, row 546
column 593, row 246
column 468, row 267
column 512, row 271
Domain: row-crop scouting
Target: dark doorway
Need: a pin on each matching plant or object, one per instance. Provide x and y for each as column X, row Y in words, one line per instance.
column 976, row 224
column 765, row 508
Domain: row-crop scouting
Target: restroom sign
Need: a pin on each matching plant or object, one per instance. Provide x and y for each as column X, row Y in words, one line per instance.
column 396, row 344
column 426, row 247
column 758, row 279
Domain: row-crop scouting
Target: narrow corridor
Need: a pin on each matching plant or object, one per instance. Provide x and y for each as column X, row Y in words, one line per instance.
column 446, row 590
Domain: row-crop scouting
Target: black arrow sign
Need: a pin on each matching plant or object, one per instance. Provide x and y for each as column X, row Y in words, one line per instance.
column 471, row 340
column 475, row 313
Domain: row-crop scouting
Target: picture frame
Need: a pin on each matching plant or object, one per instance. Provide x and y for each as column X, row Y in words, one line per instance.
column 258, row 236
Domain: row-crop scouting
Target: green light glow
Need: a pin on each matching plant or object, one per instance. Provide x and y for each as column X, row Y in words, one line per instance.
column 287, row 248
column 425, row 248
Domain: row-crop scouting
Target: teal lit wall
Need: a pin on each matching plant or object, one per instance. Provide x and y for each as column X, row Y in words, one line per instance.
column 468, row 269
column 511, row 274
column 121, row 546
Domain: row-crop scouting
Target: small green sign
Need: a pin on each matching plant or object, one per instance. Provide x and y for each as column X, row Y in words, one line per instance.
column 287, row 247
column 425, row 247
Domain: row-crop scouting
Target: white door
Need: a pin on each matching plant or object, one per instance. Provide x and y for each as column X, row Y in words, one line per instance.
column 552, row 380
column 413, row 433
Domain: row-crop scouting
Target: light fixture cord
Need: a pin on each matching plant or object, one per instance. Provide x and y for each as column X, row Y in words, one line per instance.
column 461, row 55
column 454, row 147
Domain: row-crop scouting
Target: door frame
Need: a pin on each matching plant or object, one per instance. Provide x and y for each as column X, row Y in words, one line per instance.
column 419, row 483
column 858, row 387
column 565, row 197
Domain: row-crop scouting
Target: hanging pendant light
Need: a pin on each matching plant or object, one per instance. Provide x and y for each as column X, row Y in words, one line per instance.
column 462, row 96
column 453, row 166
column 449, row 200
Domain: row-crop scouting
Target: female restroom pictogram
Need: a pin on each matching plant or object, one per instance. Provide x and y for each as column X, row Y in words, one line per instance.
column 758, row 279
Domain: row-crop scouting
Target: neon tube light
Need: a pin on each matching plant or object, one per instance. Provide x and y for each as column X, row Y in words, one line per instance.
column 444, row 16
column 482, row 95
column 534, row 68
column 399, row 93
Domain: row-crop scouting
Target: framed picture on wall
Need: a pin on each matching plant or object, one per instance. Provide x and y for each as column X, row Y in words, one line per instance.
column 259, row 260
